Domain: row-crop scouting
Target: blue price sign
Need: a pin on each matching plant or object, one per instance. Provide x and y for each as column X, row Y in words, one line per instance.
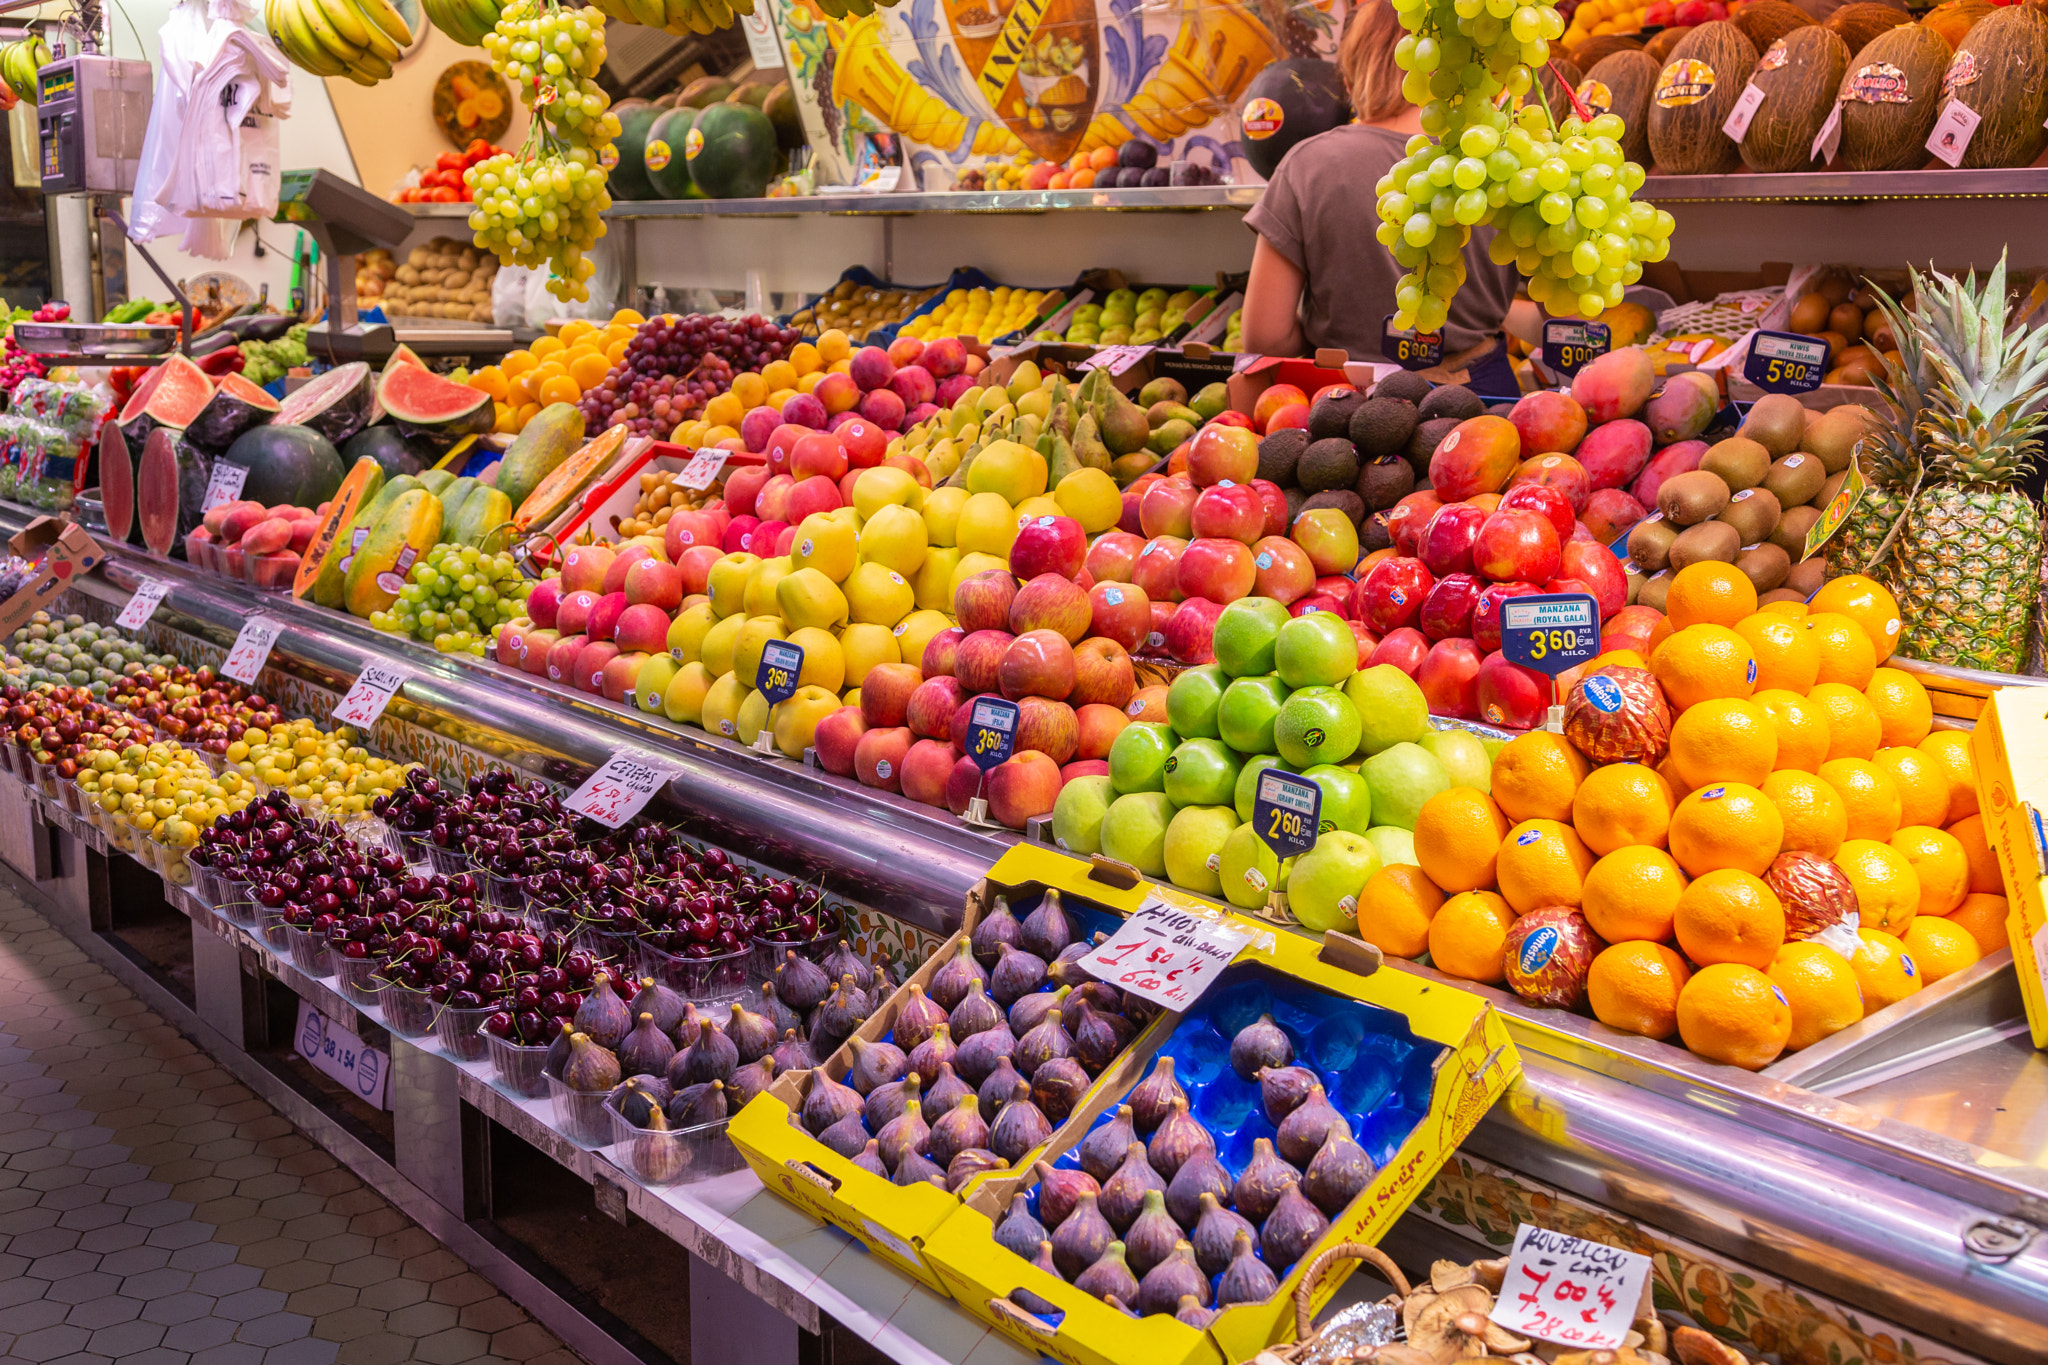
column 1286, row 811
column 1785, row 362
column 781, row 661
column 1410, row 350
column 1550, row 632
column 991, row 731
column 1571, row 344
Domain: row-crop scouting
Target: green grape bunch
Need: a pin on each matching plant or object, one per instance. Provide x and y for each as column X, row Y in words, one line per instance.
column 1559, row 195
column 455, row 597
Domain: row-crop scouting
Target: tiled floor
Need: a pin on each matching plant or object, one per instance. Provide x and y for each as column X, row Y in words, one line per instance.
column 154, row 1211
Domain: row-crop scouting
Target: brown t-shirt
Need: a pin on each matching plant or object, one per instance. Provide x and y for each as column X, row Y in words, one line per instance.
column 1320, row 212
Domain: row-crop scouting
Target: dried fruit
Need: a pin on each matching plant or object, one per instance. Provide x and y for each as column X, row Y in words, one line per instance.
column 968, row 1164
column 848, row 1137
column 1123, row 1194
column 946, row 1090
column 997, row 928
column 1110, row 1276
column 801, row 983
column 750, row 1080
column 1029, row 1012
column 1204, row 1174
column 1102, row 1151
column 975, row 1014
column 951, row 981
column 926, row 1058
column 589, row 1067
column 1049, row 1040
column 1058, row 1087
column 696, row 1105
column 1079, row 1239
column 603, row 1017
column 1016, row 974
column 1216, row 1233
column 916, row 1018
column 711, row 1058
column 1151, row 1099
column 1283, row 1088
column 1294, row 1225
column 751, row 1034
column 885, row 1102
column 1151, row 1235
column 997, row 1087
column 874, row 1064
column 1264, row 1179
column 658, row 1000
column 1179, row 1139
column 828, row 1102
column 982, row 1053
column 843, row 962
column 1246, row 1279
column 869, row 1159
column 1259, row 1045
column 1302, row 1132
column 1337, row 1172
column 1060, row 1191
column 645, row 1050
column 1173, row 1279
column 958, row 1130
column 1047, row 930
column 1019, row 1233
column 1020, row 1125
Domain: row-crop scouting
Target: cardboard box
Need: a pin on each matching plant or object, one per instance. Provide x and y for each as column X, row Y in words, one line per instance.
column 61, row 552
column 1474, row 1065
column 1260, row 373
column 2010, row 747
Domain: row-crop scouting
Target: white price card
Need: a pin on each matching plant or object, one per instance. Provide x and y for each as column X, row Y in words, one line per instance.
column 615, row 793
column 1953, row 131
column 251, row 648
column 1736, row 125
column 374, row 688
column 148, row 593
column 703, row 469
column 762, row 42
column 331, row 1047
column 1168, row 954
column 1829, row 139
column 1569, row 1290
column 225, row 485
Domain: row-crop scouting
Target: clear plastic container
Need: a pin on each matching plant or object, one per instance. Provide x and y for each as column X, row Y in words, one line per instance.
column 358, row 977
column 72, row 795
column 274, row 927
column 505, row 893
column 46, row 780
column 417, row 848
column 230, row 561
column 270, row 573
column 519, row 1067
column 172, row 863
column 581, row 1115
column 446, row 861
column 205, row 882
column 815, row 948
column 407, row 1012
column 8, row 762
column 242, row 910
column 309, row 950
column 680, row 1156
column 461, row 1032
column 370, row 833
column 705, row 980
column 201, row 551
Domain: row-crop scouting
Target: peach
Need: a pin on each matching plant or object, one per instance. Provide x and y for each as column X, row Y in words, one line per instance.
column 1614, row 385
column 805, row 410
column 884, row 408
column 905, row 351
column 944, row 357
column 1293, row 415
column 871, row 368
column 1275, row 397
column 1478, row 456
column 1549, row 421
column 914, row 385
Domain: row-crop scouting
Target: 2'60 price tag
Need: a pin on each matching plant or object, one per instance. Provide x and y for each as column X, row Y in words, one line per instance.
column 1569, row 1290
column 148, row 594
column 1287, row 812
column 616, row 792
column 251, row 648
column 1167, row 954
column 374, row 688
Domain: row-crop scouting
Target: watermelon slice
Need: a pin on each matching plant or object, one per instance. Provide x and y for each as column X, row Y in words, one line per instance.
column 161, row 478
column 337, row 404
column 117, row 482
column 170, row 395
column 424, row 404
column 236, row 406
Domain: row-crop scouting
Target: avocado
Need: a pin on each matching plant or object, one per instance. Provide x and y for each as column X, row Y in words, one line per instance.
column 1406, row 385
column 1384, row 482
column 1343, row 499
column 1373, row 533
column 1428, row 436
column 1331, row 416
column 1382, row 426
column 1279, row 453
column 1327, row 464
column 1295, row 498
column 1450, row 400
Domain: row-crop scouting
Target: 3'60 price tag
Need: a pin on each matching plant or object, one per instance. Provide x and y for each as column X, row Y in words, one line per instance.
column 1550, row 632
column 617, row 791
column 1287, row 812
column 374, row 688
column 1167, row 954
column 225, row 484
column 148, row 594
column 991, row 731
column 703, row 469
column 781, row 663
column 1569, row 1290
column 251, row 648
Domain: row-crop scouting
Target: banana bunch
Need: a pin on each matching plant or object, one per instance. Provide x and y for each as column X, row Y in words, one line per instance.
column 359, row 39
column 859, row 9
column 19, row 62
column 676, row 16
column 466, row 21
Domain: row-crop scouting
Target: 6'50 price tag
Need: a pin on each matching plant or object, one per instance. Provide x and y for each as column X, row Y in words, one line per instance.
column 1550, row 632
column 781, row 662
column 251, row 649
column 1287, row 812
column 1785, row 362
column 616, row 792
column 148, row 593
column 1167, row 954
column 1410, row 350
column 991, row 731
column 1570, row 345
column 374, row 688
column 1569, row 1290
column 702, row 469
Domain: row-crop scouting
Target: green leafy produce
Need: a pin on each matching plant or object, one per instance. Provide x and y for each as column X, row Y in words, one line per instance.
column 266, row 361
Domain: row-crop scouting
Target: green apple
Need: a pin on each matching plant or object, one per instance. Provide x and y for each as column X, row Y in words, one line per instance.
column 1192, row 700
column 1402, row 779
column 1316, row 725
column 1245, row 635
column 1392, row 707
column 1248, row 781
column 1134, row 831
column 1250, row 873
column 1137, row 758
column 1201, row 772
column 1077, row 814
column 1465, row 759
column 1316, row 650
column 1347, row 800
column 1246, row 714
column 1194, row 847
column 1323, row 889
column 1396, row 845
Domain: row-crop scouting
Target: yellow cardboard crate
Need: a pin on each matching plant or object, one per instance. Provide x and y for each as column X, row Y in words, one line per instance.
column 2010, row 747
column 893, row 1220
column 1475, row 1066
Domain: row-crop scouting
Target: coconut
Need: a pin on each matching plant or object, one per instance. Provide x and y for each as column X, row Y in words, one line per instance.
column 1620, row 83
column 1695, row 90
column 1890, row 97
column 1799, row 76
column 2001, row 71
column 1765, row 21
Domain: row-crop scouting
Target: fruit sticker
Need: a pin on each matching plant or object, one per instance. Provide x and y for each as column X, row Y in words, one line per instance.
column 1527, row 837
column 1686, row 81
column 1604, row 693
column 1776, row 56
column 1262, row 118
column 608, row 156
column 1713, row 793
column 1595, row 96
column 693, row 143
column 1538, row 948
column 1961, row 72
column 1879, row 83
column 657, row 155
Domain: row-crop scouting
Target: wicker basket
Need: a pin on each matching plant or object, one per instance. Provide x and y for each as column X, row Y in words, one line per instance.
column 1305, row 1332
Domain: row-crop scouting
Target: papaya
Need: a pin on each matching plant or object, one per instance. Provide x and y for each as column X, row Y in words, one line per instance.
column 327, row 587
column 437, row 479
column 561, row 487
column 330, row 543
column 483, row 511
column 453, row 496
column 549, row 438
column 408, row 528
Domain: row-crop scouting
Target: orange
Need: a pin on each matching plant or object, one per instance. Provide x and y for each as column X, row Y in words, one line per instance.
column 1102, row 158
column 805, row 357
column 1635, row 987
column 517, row 363
column 616, row 352
column 1869, row 794
column 1727, row 825
column 1395, row 908
column 1821, row 989
column 1853, row 727
column 1884, row 969
column 778, row 374
column 1923, row 786
column 1938, row 861
column 1985, row 878
column 546, row 370
column 1632, row 893
column 1729, row 916
column 1846, row 654
column 1868, row 603
column 834, row 345
column 1939, row 948
column 1616, row 658
column 560, row 389
column 1724, row 740
column 1536, row 775
column 1802, row 728
column 574, row 330
column 1734, row 1014
column 1904, row 712
column 1983, row 918
column 528, row 410
column 1709, row 592
column 1468, row 937
column 1458, row 834
column 502, row 419
column 1887, row 888
column 750, row 389
column 1786, row 655
column 1951, row 749
column 491, row 380
column 545, row 346
column 1543, row 863
column 589, row 370
column 1701, row 663
column 1622, row 804
column 1797, row 611
column 1816, row 822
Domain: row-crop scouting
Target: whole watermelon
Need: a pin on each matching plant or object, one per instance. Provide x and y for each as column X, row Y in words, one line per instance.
column 287, row 464
column 732, row 155
column 629, row 178
column 1287, row 103
column 663, row 155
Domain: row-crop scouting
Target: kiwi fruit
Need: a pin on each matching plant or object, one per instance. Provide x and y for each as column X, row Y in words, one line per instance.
column 1795, row 479
column 1654, row 590
column 1776, row 422
column 1807, row 576
column 1834, row 435
column 1792, row 528
column 1740, row 462
column 1636, row 578
column 1830, row 488
column 1753, row 513
column 1715, row 540
column 1649, row 545
column 1765, row 565
column 1809, row 315
column 1764, row 599
column 1692, row 497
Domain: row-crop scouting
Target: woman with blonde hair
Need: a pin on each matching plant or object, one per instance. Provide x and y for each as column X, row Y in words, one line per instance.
column 1319, row 277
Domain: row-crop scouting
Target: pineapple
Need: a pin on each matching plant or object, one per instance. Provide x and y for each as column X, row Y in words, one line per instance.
column 1886, row 456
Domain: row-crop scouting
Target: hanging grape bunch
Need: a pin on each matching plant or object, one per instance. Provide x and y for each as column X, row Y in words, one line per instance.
column 540, row 206
column 1491, row 155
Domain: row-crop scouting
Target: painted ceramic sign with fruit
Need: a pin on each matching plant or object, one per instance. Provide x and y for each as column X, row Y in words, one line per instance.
column 1048, row 85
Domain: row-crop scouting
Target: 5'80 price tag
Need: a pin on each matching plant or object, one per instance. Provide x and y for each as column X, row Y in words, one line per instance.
column 374, row 688
column 1167, row 954
column 1287, row 812
column 703, row 469
column 1569, row 1290
column 225, row 485
column 1785, row 362
column 148, row 594
column 991, row 731
column 615, row 793
column 251, row 648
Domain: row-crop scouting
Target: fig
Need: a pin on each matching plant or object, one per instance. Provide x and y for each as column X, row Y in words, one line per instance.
column 958, row 1130
column 1096, row 1039
column 801, row 983
column 1302, row 1132
column 1192, row 1314
column 1283, row 1088
column 1102, row 1151
column 1337, row 1172
column 639, row 1098
column 874, row 1064
column 827, row 1103
column 886, row 1102
column 1047, row 930
column 1118, row 1304
column 793, row 1053
column 1100, row 995
column 1151, row 1099
column 752, row 1034
column 1216, row 1233
column 1294, row 1225
column 1019, row 1233
column 645, row 1050
column 662, row 1161
column 968, row 1164
column 692, row 1024
column 658, row 1000
column 1049, row 1040
column 750, row 1080
column 978, row 1013
column 849, row 1137
column 982, row 1054
column 906, row 1133
column 697, row 1105
column 952, row 980
column 1203, row 1174
column 1151, row 1235
column 1123, row 1194
column 1016, row 974
column 590, row 1067
column 918, row 1169
column 1080, row 1238
column 1179, row 1139
column 1110, row 1276
column 998, row 1086
column 1060, row 1191
column 916, row 1017
column 603, row 1017
column 558, row 1051
column 843, row 962
column 833, row 1022
column 1028, row 1013
column 1264, row 1179
column 1173, row 1279
column 1259, row 1045
column 711, row 1058
column 869, row 1159
column 1247, row 1279
column 997, row 928
column 1020, row 1125
column 1058, row 1087
column 928, row 1056
column 946, row 1092
column 1042, row 1259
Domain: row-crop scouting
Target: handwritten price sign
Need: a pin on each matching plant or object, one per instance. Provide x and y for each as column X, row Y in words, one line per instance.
column 252, row 647
column 1569, row 1290
column 225, row 485
column 616, row 792
column 148, row 594
column 702, row 469
column 374, row 688
column 1167, row 954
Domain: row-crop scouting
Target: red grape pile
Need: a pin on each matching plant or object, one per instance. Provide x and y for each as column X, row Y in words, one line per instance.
column 675, row 365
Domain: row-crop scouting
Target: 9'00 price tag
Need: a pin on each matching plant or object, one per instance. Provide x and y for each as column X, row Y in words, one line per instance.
column 374, row 688
column 1569, row 1290
column 617, row 792
column 1550, row 632
column 148, row 594
column 1570, row 345
column 1167, row 954
column 251, row 648
column 703, row 469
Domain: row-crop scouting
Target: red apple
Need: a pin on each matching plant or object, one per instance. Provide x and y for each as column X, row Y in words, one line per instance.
column 1367, row 641
column 864, row 443
column 1276, row 397
column 1221, row 452
column 1449, row 678
column 1405, row 649
column 837, row 736
column 1317, row 601
column 773, row 502
column 1121, row 612
column 1113, row 556
column 815, row 494
column 1287, row 415
column 1147, row 705
column 1391, row 595
column 1408, row 521
column 1099, row 725
column 686, row 529
column 743, row 486
column 1486, row 611
column 584, row 566
column 1281, row 570
column 1515, row 545
column 925, row 769
column 1220, row 570
column 1447, row 610
column 1047, row 726
column 1103, row 672
column 1447, row 541
column 1510, row 695
column 1191, row 632
column 885, row 694
column 623, row 559
column 651, row 582
column 1594, row 565
column 1227, row 512
column 963, row 785
column 739, row 533
column 543, row 602
column 572, row 613
column 818, row 454
column 980, row 658
column 1083, row 767
column 1024, row 785
column 983, row 601
column 939, row 652
column 588, row 674
column 1168, row 509
column 929, row 708
column 878, row 758
column 1051, row 602
column 1038, row 663
column 642, row 629
column 1274, row 499
column 1162, row 617
column 693, row 567
column 616, row 678
column 560, row 661
column 604, row 616
column 1158, row 568
column 1054, row 545
column 1546, row 500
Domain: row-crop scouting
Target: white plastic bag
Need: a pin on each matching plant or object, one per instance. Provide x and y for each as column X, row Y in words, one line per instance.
column 508, row 295
column 230, row 143
column 604, row 283
column 153, row 210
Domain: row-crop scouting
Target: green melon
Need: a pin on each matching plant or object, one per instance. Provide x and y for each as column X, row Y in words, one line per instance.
column 1799, row 76
column 780, row 107
column 1998, row 72
column 664, row 155
column 1890, row 97
column 629, row 178
column 732, row 155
